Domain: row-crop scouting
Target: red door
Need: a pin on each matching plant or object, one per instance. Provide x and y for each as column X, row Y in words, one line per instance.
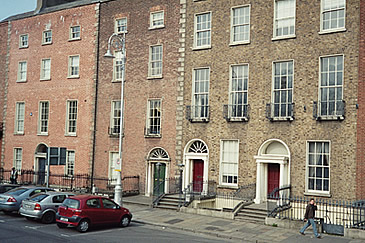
column 273, row 177
column 198, row 175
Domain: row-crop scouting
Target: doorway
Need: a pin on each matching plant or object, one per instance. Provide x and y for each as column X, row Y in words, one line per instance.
column 41, row 171
column 159, row 178
column 273, row 177
column 198, row 170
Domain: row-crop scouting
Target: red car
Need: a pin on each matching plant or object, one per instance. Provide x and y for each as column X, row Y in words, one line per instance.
column 83, row 211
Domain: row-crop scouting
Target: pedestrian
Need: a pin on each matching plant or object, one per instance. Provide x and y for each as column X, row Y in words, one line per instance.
column 309, row 215
column 13, row 176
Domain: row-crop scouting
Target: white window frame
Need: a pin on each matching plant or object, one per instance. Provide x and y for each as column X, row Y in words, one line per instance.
column 121, row 26
column 153, row 20
column 23, row 43
column 154, row 72
column 118, row 66
column 233, row 93
column 71, row 119
column 19, row 121
column 276, row 20
column 323, row 11
column 319, row 108
column 73, row 70
column 288, row 102
column 75, row 35
column 70, row 162
column 18, row 158
column 112, row 174
column 197, row 108
column 115, row 117
column 47, row 39
column 22, row 71
column 154, row 120
column 222, row 173
column 43, row 119
column 233, row 25
column 44, row 69
column 197, row 32
column 307, row 175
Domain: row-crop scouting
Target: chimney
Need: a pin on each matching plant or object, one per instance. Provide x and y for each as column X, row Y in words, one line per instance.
column 40, row 5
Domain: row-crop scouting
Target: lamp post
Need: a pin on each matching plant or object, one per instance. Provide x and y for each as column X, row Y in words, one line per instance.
column 181, row 169
column 118, row 42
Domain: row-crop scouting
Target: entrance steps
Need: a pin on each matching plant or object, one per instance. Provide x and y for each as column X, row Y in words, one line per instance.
column 170, row 201
column 255, row 213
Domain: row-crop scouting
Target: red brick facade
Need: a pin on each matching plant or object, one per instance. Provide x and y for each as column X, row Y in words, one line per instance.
column 57, row 90
column 360, row 174
column 138, row 87
column 3, row 72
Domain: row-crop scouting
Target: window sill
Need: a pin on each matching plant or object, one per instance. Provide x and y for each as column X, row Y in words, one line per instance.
column 237, row 119
column 157, row 27
column 42, row 134
column 46, row 43
column 323, row 32
column 19, row 133
column 70, row 135
column 75, row 39
column 23, row 47
column 286, row 118
column 21, row 81
column 318, row 194
column 200, row 119
column 330, row 118
column 239, row 43
column 116, row 81
column 235, row 186
column 73, row 77
column 45, row 79
column 201, row 48
column 122, row 32
column 152, row 136
column 155, row 77
column 283, row 37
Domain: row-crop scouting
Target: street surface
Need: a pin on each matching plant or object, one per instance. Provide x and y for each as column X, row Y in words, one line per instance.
column 16, row 229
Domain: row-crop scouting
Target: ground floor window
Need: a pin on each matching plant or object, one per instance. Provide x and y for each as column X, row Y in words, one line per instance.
column 229, row 162
column 113, row 175
column 318, row 166
column 70, row 163
column 18, row 155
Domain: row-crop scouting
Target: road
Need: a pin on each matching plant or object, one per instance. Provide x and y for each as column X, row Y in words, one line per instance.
column 15, row 229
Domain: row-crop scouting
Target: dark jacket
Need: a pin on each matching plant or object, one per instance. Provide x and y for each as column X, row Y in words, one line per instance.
column 310, row 211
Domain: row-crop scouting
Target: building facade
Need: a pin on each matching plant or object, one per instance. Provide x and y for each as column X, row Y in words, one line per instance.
column 50, row 88
column 270, row 96
column 149, row 131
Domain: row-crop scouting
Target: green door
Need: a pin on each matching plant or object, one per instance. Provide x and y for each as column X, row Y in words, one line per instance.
column 159, row 179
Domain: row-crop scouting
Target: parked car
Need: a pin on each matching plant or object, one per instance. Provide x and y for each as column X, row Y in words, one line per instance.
column 43, row 206
column 7, row 187
column 10, row 201
column 83, row 211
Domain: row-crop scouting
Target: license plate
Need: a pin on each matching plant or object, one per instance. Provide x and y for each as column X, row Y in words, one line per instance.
column 64, row 219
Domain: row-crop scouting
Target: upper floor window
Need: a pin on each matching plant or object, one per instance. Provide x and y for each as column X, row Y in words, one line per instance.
column 47, row 37
column 240, row 25
column 71, row 118
column 202, row 30
column 333, row 15
column 75, row 32
column 43, row 117
column 200, row 106
column 22, row 71
column 157, row 20
column 154, row 117
column 118, row 66
column 115, row 118
column 73, row 66
column 46, row 69
column 18, row 157
column 70, row 163
column 155, row 63
column 318, row 167
column 284, row 23
column 331, row 87
column 19, row 118
column 229, row 162
column 23, row 41
column 121, row 25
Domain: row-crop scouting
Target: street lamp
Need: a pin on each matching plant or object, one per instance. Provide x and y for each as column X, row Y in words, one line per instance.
column 118, row 42
column 181, row 169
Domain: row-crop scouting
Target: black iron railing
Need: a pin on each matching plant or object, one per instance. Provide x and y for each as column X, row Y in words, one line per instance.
column 329, row 110
column 236, row 112
column 280, row 111
column 197, row 113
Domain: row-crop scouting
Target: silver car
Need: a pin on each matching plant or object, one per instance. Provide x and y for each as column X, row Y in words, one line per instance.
column 43, row 206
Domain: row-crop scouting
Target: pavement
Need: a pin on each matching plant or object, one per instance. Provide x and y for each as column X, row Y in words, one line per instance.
column 225, row 229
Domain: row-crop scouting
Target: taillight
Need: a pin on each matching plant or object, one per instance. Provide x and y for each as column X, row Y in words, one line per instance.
column 37, row 206
column 11, row 199
column 77, row 212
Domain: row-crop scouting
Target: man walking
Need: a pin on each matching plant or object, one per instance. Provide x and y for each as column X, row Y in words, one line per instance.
column 310, row 212
column 13, row 176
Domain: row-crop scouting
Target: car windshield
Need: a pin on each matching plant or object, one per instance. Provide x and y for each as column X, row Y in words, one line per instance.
column 17, row 191
column 71, row 203
column 38, row 197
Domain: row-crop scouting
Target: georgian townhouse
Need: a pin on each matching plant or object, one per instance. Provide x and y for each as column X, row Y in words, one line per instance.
column 151, row 30
column 50, row 87
column 270, row 97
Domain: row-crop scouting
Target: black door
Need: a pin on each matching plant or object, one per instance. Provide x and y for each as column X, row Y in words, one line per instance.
column 41, row 171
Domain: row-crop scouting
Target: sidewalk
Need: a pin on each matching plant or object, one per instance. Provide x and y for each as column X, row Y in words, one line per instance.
column 223, row 228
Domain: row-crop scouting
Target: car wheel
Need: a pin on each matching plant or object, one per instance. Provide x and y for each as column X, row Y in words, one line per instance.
column 61, row 225
column 48, row 218
column 126, row 220
column 83, row 226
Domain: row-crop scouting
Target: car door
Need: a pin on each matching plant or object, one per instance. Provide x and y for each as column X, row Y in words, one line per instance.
column 111, row 211
column 94, row 211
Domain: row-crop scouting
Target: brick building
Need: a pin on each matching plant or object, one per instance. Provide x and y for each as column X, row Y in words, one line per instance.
column 152, row 42
column 270, row 96
column 50, row 87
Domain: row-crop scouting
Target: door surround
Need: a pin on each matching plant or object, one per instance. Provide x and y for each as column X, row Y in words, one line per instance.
column 271, row 151
column 156, row 155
